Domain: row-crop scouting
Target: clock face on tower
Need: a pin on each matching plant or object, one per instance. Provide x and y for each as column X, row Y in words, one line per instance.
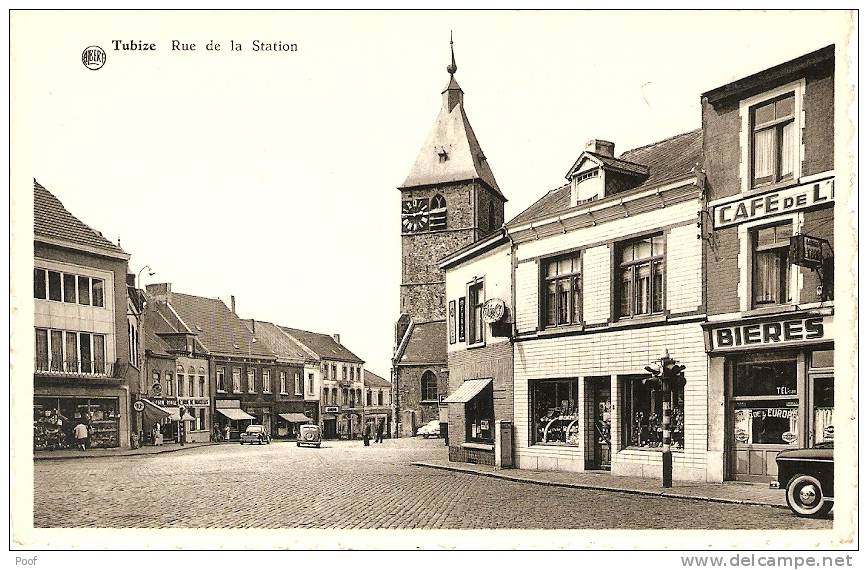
column 414, row 215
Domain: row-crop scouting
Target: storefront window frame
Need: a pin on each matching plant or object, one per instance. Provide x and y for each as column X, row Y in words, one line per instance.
column 628, row 414
column 470, row 409
column 533, row 412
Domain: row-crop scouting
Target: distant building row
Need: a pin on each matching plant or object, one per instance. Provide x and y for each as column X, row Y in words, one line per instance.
column 146, row 366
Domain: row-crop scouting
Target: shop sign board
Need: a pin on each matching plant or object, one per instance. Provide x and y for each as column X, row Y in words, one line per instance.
column 227, row 404
column 493, row 310
column 806, row 251
column 789, row 437
column 770, row 334
column 332, row 409
column 194, row 402
column 165, row 401
column 774, row 203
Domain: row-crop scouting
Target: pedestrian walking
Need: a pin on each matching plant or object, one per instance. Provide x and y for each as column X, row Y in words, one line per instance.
column 226, row 432
column 80, row 434
column 379, row 438
column 367, row 435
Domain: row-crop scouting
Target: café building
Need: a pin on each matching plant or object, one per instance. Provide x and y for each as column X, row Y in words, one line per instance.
column 769, row 247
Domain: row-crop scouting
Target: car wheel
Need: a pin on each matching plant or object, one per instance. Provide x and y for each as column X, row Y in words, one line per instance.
column 805, row 497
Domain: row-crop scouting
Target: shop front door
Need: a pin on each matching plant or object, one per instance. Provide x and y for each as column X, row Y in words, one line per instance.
column 602, row 399
column 822, row 407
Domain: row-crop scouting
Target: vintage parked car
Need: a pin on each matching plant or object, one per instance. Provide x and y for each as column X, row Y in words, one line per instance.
column 431, row 429
column 808, row 477
column 309, row 434
column 255, row 434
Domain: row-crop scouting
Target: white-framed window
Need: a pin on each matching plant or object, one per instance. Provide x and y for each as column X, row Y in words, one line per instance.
column 770, row 264
column 170, row 383
column 236, row 380
column 297, row 384
column 191, row 380
column 475, row 301
column 562, row 290
column 51, row 285
column 221, row 379
column 180, row 378
column 251, row 380
column 266, row 381
column 283, row 381
column 203, row 386
column 639, row 282
column 771, row 136
column 70, row 351
column 310, row 383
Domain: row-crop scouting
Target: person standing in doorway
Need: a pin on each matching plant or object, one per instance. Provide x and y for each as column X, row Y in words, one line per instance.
column 379, row 438
column 80, row 434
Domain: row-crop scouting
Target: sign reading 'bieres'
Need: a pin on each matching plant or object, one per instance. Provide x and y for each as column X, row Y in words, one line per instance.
column 774, row 203
column 771, row 333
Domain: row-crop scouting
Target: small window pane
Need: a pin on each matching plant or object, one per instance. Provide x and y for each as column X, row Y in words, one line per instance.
column 39, row 288
column 643, row 248
column 657, row 244
column 764, row 114
column 54, row 293
column 84, row 351
column 83, row 290
column 565, row 266
column 763, row 154
column 99, row 353
column 71, row 352
column 643, row 288
column 577, row 299
column 68, row 288
column 551, row 268
column 783, row 233
column 787, row 141
column 627, row 253
column 57, row 351
column 765, row 236
column 626, row 291
column 785, row 107
column 41, row 349
column 98, row 293
column 658, row 287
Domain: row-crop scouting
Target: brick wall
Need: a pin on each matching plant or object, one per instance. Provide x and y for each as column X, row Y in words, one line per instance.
column 409, row 384
column 723, row 277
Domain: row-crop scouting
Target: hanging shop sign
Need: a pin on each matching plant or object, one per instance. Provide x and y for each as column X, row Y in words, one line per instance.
column 139, row 406
column 493, row 310
column 806, row 251
column 157, row 389
column 332, row 409
column 771, row 334
column 774, row 203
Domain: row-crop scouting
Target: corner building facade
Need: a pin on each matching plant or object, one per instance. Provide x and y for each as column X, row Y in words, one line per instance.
column 769, row 141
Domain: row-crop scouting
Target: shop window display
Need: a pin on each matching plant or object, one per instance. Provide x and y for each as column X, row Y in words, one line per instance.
column 479, row 414
column 765, row 404
column 642, row 415
column 55, row 418
column 555, row 414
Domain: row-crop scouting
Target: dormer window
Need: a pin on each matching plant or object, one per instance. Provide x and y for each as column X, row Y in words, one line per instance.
column 587, row 175
column 442, row 155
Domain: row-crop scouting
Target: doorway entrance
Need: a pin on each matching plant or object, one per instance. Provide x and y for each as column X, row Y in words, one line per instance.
column 601, row 407
column 822, row 397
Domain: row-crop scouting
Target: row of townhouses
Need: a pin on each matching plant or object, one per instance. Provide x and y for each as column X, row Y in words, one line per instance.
column 146, row 366
column 714, row 245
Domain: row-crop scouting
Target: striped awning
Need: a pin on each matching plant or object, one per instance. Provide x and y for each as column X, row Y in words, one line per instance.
column 468, row 391
column 295, row 418
column 235, row 414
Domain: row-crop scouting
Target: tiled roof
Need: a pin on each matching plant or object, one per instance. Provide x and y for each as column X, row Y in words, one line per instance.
column 620, row 163
column 219, row 329
column 374, row 381
column 52, row 220
column 427, row 344
column 667, row 159
column 323, row 345
column 277, row 340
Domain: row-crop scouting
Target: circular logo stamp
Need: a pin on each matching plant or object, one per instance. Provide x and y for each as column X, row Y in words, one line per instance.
column 93, row 57
column 139, row 406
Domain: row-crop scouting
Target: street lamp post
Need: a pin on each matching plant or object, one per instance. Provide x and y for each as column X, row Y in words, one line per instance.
column 138, row 355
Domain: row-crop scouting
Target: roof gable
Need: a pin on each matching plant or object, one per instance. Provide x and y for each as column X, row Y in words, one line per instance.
column 323, row 345
column 52, row 220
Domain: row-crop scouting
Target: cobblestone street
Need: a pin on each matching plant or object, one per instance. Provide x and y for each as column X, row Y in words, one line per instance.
column 345, row 485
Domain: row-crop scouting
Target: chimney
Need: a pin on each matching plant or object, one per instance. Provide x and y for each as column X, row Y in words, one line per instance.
column 232, row 302
column 252, row 324
column 160, row 291
column 337, row 338
column 601, row 147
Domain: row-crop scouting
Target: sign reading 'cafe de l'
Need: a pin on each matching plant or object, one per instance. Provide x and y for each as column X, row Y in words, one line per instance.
column 773, row 203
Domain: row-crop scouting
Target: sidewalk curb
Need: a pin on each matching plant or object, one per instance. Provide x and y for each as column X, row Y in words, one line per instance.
column 667, row 494
column 122, row 455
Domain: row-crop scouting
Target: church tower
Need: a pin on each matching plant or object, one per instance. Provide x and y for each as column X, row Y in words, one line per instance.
column 449, row 199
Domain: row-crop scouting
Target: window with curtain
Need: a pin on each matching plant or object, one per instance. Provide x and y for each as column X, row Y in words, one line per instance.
column 640, row 283
column 475, row 323
column 773, row 140
column 221, row 379
column 236, row 380
column 191, row 380
column 266, row 381
column 771, row 268
column 251, row 380
column 283, row 382
column 562, row 284
column 169, row 384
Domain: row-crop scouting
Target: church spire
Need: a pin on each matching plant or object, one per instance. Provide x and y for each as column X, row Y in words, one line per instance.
column 452, row 95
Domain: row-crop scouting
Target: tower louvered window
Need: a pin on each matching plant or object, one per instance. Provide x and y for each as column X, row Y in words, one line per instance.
column 438, row 213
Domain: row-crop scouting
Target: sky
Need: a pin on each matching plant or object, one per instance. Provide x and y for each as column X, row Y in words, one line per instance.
column 272, row 176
